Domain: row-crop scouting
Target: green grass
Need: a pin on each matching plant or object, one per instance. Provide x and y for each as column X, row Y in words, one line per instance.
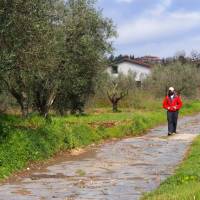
column 185, row 184
column 33, row 139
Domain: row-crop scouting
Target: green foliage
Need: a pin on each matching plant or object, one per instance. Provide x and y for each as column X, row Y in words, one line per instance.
column 23, row 141
column 87, row 35
column 80, row 136
column 183, row 76
column 80, row 172
column 52, row 48
column 142, row 121
column 30, row 47
column 185, row 184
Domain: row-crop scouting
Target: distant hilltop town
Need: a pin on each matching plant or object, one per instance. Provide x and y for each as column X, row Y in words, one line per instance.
column 194, row 57
column 150, row 60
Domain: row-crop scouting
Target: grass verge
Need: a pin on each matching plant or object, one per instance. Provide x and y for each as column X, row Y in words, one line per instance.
column 185, row 184
column 32, row 139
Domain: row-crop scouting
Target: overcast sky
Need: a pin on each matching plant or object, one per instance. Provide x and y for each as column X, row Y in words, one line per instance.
column 154, row 27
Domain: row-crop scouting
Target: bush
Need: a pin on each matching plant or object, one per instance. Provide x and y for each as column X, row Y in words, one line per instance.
column 184, row 77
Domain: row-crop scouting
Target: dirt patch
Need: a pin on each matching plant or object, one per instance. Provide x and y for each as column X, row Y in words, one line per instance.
column 103, row 124
column 48, row 176
column 107, row 124
column 23, row 192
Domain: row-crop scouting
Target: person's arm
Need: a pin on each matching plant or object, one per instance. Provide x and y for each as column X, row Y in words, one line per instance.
column 165, row 104
column 179, row 103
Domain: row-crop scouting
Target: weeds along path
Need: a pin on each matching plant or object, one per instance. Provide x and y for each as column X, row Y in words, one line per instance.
column 117, row 170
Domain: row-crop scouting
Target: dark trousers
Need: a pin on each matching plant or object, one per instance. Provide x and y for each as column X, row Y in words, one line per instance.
column 172, row 118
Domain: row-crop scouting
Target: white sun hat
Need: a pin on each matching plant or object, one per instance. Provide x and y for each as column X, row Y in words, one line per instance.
column 171, row 89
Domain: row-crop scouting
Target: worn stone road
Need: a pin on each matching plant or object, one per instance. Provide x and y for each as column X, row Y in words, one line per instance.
column 120, row 170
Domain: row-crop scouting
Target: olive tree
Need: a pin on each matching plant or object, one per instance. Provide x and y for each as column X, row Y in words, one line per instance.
column 87, row 44
column 116, row 88
column 29, row 50
column 184, row 77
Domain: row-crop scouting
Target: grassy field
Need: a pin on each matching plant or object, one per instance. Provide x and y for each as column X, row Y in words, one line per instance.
column 35, row 138
column 185, row 184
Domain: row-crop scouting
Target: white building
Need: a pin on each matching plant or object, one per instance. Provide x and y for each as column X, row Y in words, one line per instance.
column 126, row 65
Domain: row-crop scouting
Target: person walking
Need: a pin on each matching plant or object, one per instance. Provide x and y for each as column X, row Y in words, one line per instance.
column 172, row 103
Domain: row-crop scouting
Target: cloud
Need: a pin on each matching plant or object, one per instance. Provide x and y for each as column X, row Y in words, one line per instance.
column 125, row 1
column 168, row 48
column 151, row 28
column 158, row 26
column 161, row 7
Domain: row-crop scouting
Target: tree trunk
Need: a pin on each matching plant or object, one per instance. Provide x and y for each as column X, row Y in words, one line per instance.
column 44, row 111
column 115, row 106
column 73, row 111
column 22, row 100
column 24, row 108
column 24, row 104
column 44, row 102
column 61, row 111
column 114, row 99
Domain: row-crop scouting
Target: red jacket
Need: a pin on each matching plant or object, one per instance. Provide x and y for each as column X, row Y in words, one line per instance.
column 172, row 105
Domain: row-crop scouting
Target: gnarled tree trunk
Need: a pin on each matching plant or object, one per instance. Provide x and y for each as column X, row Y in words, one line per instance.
column 114, row 99
column 22, row 99
column 44, row 100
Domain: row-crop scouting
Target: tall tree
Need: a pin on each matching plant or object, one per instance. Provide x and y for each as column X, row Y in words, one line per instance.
column 47, row 72
column 27, row 41
column 87, row 43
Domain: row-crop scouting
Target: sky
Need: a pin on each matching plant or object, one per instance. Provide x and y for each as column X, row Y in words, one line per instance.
column 154, row 27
